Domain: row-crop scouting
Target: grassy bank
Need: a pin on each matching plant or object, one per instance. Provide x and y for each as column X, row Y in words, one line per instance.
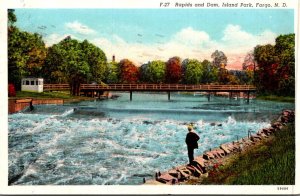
column 271, row 162
column 276, row 98
column 51, row 95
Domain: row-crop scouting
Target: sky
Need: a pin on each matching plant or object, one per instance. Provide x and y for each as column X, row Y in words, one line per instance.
column 143, row 35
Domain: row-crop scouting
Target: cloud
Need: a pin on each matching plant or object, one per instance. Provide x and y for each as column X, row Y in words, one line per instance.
column 186, row 43
column 55, row 38
column 79, row 28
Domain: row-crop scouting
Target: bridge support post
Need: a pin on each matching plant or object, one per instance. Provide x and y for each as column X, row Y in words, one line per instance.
column 130, row 95
column 230, row 95
column 248, row 97
column 169, row 95
column 208, row 96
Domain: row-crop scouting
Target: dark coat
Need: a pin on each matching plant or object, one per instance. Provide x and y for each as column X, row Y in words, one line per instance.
column 191, row 140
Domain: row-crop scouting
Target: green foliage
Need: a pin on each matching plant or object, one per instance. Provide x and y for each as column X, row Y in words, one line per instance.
column 11, row 17
column 75, row 62
column 272, row 162
column 276, row 98
column 26, row 55
column 113, row 73
column 193, row 71
column 241, row 77
column 153, row 72
column 276, row 66
column 210, row 73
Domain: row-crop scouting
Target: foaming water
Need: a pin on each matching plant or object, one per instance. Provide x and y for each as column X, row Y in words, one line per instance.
column 122, row 142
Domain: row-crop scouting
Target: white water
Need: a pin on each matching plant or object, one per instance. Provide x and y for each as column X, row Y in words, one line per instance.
column 120, row 142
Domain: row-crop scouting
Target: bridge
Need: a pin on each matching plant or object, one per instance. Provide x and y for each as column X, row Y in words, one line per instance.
column 99, row 88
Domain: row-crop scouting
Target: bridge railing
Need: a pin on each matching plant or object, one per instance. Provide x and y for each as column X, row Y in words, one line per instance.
column 56, row 87
column 164, row 87
column 159, row 87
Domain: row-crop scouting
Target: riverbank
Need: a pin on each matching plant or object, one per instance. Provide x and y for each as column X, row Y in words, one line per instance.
column 266, row 157
column 271, row 161
column 276, row 98
column 28, row 99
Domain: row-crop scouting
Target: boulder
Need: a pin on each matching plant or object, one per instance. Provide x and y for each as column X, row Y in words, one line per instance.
column 184, row 173
column 225, row 148
column 200, row 161
column 167, row 179
column 174, row 173
column 208, row 156
column 194, row 170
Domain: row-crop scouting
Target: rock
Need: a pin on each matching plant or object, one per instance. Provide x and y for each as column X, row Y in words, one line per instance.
column 225, row 148
column 255, row 138
column 166, row 178
column 184, row 174
column 200, row 168
column 194, row 170
column 200, row 161
column 175, row 173
column 208, row 156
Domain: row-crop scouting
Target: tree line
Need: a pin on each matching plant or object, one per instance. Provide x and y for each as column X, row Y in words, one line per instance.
column 74, row 62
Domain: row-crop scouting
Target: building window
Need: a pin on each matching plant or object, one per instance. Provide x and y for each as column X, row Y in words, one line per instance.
column 36, row 82
column 32, row 82
column 27, row 82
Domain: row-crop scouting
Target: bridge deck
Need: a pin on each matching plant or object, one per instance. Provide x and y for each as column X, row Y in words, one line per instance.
column 167, row 87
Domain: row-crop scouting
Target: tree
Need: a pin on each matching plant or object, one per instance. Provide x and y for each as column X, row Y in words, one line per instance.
column 173, row 70
column 249, row 62
column 285, row 50
column 26, row 55
column 113, row 73
column 241, row 77
column 266, row 59
column 210, row 73
column 224, row 76
column 193, row 71
column 96, row 60
column 75, row 63
column 11, row 17
column 153, row 72
column 219, row 59
column 128, row 71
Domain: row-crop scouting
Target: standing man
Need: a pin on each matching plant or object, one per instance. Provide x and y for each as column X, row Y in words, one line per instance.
column 191, row 142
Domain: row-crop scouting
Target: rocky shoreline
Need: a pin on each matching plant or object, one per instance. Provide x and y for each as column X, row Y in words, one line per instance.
column 203, row 164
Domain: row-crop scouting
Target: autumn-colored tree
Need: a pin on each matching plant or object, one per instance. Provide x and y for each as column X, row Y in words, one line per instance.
column 129, row 73
column 266, row 59
column 173, row 70
column 249, row 62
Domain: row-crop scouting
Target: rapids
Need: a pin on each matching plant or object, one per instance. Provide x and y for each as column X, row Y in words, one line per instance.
column 121, row 142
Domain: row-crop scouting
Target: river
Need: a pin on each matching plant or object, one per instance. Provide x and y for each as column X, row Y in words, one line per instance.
column 120, row 142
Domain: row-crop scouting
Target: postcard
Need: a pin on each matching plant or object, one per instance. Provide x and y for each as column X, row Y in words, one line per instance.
column 149, row 97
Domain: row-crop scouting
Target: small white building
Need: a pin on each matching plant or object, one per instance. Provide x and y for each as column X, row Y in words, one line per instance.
column 32, row 84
